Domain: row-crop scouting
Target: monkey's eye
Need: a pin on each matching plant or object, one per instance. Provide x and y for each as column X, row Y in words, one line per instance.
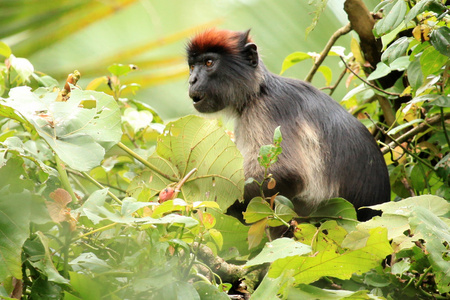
column 209, row 63
column 191, row 67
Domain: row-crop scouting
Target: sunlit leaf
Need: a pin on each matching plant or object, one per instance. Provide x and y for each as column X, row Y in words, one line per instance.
column 432, row 61
column 23, row 67
column 195, row 143
column 4, row 50
column 334, row 261
column 69, row 129
column 279, row 248
column 293, row 59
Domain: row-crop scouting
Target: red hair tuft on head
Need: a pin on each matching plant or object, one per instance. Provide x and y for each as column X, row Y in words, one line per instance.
column 215, row 40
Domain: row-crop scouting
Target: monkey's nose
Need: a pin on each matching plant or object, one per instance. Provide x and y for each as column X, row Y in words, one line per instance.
column 192, row 80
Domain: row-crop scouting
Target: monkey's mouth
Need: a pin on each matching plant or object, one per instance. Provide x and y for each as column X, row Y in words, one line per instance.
column 197, row 97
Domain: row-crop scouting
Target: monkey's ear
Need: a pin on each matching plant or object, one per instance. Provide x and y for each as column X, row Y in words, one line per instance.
column 251, row 52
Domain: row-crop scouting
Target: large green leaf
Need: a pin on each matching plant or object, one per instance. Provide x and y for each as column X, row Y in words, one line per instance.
column 70, row 129
column 17, row 209
column 364, row 251
column 394, row 13
column 395, row 50
column 195, row 143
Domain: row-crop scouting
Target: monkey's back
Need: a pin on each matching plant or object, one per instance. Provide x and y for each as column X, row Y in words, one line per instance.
column 326, row 151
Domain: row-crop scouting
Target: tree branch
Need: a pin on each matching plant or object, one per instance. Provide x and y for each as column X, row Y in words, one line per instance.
column 341, row 31
column 421, row 127
column 362, row 22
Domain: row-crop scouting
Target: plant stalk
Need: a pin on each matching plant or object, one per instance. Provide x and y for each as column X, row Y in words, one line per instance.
column 61, row 167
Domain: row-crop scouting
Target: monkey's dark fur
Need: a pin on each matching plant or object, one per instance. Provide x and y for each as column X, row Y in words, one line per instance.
column 326, row 151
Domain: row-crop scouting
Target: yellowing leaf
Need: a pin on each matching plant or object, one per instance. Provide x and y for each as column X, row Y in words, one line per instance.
column 356, row 50
column 94, row 84
column 335, row 261
column 256, row 233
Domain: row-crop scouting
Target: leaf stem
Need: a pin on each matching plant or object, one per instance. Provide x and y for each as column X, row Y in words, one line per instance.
column 145, row 162
column 96, row 230
column 91, row 179
column 60, row 166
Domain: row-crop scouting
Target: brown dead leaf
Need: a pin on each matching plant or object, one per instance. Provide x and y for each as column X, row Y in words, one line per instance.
column 58, row 210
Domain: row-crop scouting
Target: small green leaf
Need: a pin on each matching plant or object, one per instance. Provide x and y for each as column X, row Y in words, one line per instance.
column 381, row 71
column 257, row 209
column 277, row 137
column 292, row 59
column 435, row 204
column 327, row 73
column 23, row 67
column 285, row 201
column 207, row 291
column 138, row 120
column 395, row 50
column 400, row 64
column 440, row 39
column 120, row 70
column 415, row 75
column 4, row 50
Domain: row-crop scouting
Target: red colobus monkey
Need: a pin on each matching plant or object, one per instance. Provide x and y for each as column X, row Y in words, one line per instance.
column 326, row 151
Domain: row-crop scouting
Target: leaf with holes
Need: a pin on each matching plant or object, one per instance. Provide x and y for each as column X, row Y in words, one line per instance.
column 70, row 129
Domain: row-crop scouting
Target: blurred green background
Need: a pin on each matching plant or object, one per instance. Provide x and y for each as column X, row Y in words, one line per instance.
column 59, row 36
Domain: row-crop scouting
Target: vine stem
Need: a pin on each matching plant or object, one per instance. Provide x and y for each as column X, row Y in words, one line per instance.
column 61, row 167
column 144, row 161
column 91, row 179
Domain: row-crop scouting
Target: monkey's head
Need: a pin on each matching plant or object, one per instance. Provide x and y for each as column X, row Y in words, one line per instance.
column 223, row 69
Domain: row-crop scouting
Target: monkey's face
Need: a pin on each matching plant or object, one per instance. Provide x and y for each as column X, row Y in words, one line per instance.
column 207, row 86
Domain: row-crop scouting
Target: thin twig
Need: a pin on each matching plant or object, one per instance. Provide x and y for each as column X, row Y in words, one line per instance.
column 400, row 144
column 183, row 181
column 444, row 127
column 341, row 31
column 421, row 127
column 91, row 179
column 145, row 162
column 366, row 82
column 333, row 87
